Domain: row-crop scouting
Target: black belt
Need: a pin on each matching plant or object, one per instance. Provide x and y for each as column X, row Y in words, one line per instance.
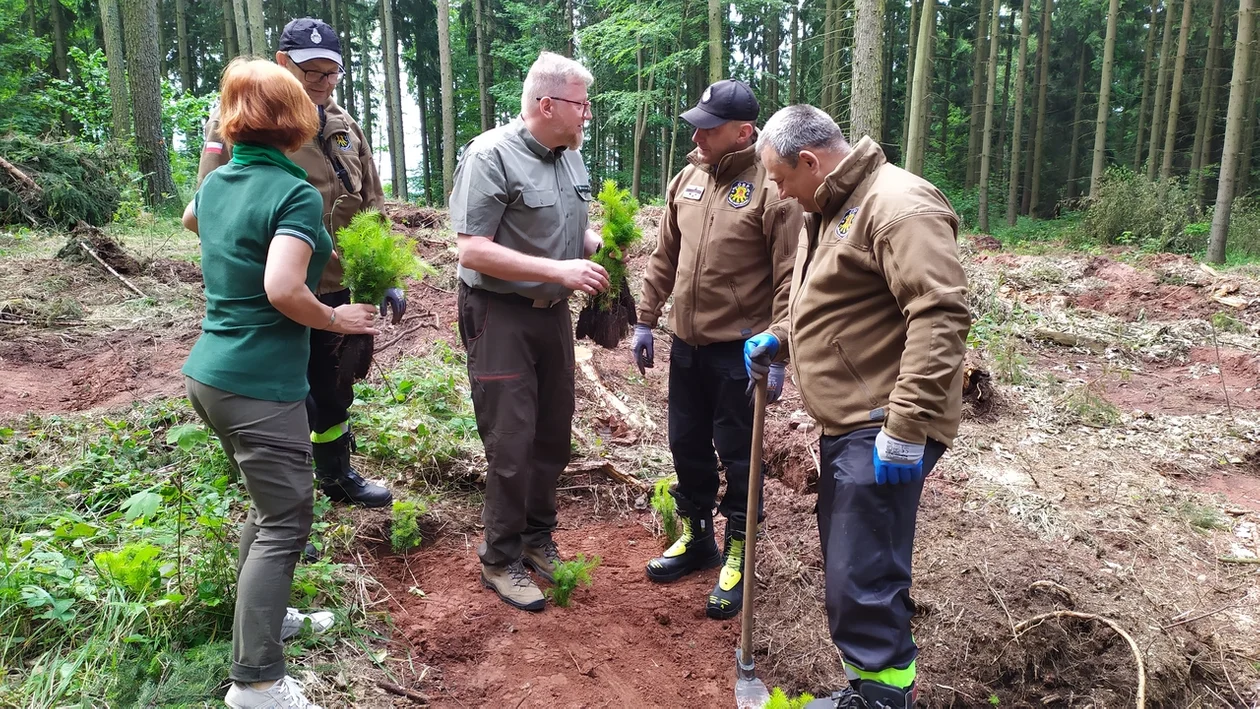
column 518, row 299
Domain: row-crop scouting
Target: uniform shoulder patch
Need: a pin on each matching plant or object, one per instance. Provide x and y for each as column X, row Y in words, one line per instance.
column 846, row 224
column 342, row 141
column 694, row 192
column 741, row 194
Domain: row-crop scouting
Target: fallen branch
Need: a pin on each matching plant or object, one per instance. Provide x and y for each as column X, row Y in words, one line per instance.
column 1046, row 584
column 1220, row 369
column 1067, row 339
column 607, row 469
column 1201, row 616
column 1238, row 560
column 402, row 691
column 583, row 357
column 88, row 250
column 1137, row 654
column 22, row 178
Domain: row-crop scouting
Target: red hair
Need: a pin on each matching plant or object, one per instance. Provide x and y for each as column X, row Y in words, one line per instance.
column 260, row 102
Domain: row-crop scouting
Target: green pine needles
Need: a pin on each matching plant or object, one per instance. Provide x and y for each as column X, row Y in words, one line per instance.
column 374, row 258
column 666, row 507
column 568, row 576
column 620, row 233
column 780, row 700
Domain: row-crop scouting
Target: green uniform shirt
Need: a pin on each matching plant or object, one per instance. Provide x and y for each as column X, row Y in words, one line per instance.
column 246, row 346
column 525, row 196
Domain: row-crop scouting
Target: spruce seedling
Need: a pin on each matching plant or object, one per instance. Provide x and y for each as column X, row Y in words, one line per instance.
column 374, row 258
column 404, row 530
column 666, row 507
column 608, row 316
column 568, row 576
column 780, row 700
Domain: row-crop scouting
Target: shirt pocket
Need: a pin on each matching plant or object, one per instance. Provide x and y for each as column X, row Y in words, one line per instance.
column 538, row 198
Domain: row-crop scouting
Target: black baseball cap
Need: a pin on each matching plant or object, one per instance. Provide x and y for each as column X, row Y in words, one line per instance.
column 727, row 100
column 307, row 38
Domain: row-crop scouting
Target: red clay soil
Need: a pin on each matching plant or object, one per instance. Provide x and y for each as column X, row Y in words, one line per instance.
column 1192, row 387
column 625, row 642
column 1131, row 293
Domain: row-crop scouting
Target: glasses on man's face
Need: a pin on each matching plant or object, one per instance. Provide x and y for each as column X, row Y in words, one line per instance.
column 586, row 105
column 319, row 77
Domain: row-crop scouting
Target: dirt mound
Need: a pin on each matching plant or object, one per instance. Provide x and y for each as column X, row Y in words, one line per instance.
column 413, row 217
column 1132, row 294
column 109, row 251
column 172, row 271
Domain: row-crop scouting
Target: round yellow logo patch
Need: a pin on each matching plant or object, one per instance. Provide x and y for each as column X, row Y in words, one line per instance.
column 740, row 194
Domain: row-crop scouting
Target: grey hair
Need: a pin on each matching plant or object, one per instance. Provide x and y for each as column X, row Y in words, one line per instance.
column 797, row 128
column 550, row 73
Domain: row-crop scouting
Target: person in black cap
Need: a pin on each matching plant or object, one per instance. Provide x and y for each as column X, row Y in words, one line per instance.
column 725, row 251
column 338, row 162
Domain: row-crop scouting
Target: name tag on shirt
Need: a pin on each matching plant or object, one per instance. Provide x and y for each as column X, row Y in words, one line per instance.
column 693, row 192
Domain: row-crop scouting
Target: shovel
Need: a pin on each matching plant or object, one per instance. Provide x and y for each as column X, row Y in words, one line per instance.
column 750, row 692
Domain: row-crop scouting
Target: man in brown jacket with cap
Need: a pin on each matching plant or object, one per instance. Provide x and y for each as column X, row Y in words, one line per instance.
column 725, row 252
column 878, row 320
column 338, row 162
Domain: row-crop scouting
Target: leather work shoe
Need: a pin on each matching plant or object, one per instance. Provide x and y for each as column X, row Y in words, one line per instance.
column 543, row 560
column 867, row 694
column 514, row 585
column 694, row 550
column 727, row 596
column 340, row 481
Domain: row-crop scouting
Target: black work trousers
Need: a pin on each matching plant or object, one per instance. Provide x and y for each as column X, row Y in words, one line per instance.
column 710, row 418
column 867, row 536
column 520, row 370
column 328, row 404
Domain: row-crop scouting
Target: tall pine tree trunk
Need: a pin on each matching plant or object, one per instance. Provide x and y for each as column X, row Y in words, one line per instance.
column 427, row 181
column 977, row 111
column 230, row 44
column 119, row 103
column 393, row 101
column 1043, row 56
column 244, row 40
column 257, row 28
column 866, row 105
column 571, row 35
column 1161, row 93
column 1104, row 96
column 717, row 69
column 987, row 137
column 794, row 76
column 141, row 47
column 640, row 122
column 334, row 19
column 1000, row 149
column 1074, row 160
column 346, row 36
column 1243, row 176
column 1238, row 95
column 181, row 34
column 1206, row 108
column 917, row 137
column 774, row 40
column 448, row 98
column 365, row 66
column 1146, row 87
column 57, row 14
column 1017, row 133
column 911, row 48
column 1174, row 99
column 830, row 76
column 483, row 68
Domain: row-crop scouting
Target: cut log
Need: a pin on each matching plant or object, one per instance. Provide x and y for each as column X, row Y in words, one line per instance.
column 1067, row 339
column 606, row 468
column 21, row 177
column 582, row 355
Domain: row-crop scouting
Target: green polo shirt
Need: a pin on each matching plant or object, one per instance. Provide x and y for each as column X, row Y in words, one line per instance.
column 247, row 347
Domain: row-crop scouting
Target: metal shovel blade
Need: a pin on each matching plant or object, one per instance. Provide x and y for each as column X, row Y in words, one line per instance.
column 750, row 692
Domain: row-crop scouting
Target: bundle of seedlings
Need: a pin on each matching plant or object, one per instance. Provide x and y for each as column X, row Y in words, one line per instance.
column 609, row 316
column 374, row 260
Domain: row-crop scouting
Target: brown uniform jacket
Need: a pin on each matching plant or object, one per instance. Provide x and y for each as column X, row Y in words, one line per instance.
column 343, row 198
column 878, row 310
column 725, row 251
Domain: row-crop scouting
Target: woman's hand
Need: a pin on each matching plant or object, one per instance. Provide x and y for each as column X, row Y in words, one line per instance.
column 354, row 319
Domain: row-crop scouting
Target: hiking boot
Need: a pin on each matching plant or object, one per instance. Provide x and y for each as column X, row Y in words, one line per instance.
column 514, row 585
column 295, row 622
column 543, row 560
column 340, row 481
column 285, row 694
column 868, row 694
column 694, row 550
column 727, row 596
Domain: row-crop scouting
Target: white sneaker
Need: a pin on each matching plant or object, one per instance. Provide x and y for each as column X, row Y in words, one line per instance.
column 285, row 694
column 295, row 621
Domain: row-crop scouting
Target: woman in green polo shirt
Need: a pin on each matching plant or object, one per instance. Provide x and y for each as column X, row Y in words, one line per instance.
column 263, row 247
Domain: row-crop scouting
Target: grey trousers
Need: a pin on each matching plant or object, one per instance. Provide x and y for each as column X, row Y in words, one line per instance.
column 867, row 535
column 268, row 443
column 520, row 368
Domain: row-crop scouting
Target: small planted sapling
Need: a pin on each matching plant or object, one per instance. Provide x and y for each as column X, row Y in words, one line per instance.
column 664, row 504
column 568, row 576
column 376, row 261
column 609, row 316
column 780, row 700
column 404, row 530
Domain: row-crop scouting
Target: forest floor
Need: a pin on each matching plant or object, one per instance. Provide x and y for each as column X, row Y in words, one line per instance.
column 1106, row 479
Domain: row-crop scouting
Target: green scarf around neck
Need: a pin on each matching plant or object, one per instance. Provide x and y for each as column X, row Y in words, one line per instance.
column 255, row 154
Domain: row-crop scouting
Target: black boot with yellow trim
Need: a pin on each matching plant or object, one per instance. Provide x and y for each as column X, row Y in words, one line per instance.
column 694, row 550
column 727, row 597
column 337, row 478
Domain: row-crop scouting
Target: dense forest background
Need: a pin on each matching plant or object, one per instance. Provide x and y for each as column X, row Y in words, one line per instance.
column 1144, row 112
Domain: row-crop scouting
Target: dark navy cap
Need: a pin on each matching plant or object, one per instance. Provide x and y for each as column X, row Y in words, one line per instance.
column 306, row 38
column 727, row 100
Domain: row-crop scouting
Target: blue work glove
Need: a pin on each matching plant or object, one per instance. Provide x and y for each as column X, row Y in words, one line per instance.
column 644, row 348
column 897, row 462
column 759, row 350
column 774, row 385
column 395, row 300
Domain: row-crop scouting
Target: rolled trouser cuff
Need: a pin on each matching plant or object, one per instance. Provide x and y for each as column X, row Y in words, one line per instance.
column 249, row 674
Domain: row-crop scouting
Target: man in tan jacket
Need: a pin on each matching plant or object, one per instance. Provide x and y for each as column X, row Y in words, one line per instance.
column 338, row 162
column 878, row 321
column 725, row 252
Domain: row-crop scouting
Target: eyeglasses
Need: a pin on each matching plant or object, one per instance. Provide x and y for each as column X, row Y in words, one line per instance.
column 586, row 105
column 316, row 77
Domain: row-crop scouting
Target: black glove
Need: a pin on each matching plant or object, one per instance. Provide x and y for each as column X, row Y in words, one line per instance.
column 396, row 300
